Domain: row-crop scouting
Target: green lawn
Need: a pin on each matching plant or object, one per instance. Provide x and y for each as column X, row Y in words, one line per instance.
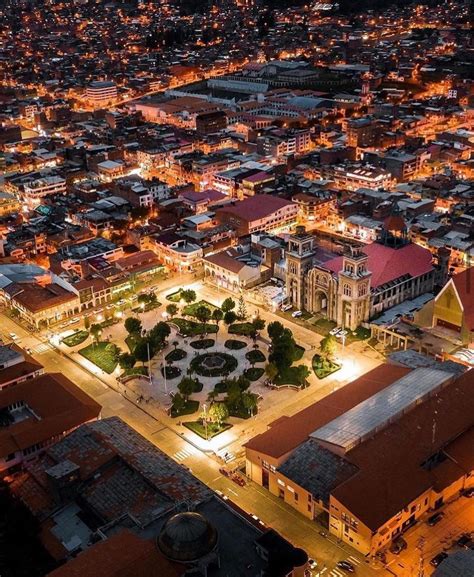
column 360, row 334
column 245, row 329
column 192, row 308
column 213, row 429
column 299, row 352
column 323, row 326
column 139, row 370
column 174, row 297
column 192, row 328
column 288, row 376
column 131, row 342
column 234, row 344
column 256, row 356
column 254, row 373
column 76, row 338
column 323, row 368
column 203, row 344
column 176, row 355
column 147, row 307
column 189, row 408
column 101, row 356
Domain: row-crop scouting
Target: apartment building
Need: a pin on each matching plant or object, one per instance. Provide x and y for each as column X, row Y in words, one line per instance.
column 99, row 93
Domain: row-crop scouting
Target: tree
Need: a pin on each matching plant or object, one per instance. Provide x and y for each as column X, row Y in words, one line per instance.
column 217, row 315
column 175, row 344
column 218, row 413
column 96, row 331
column 271, row 370
column 283, row 352
column 142, row 351
column 187, row 387
column 302, row 374
column 172, row 309
column 249, row 402
column 258, row 325
column 275, row 330
column 142, row 300
column 113, row 351
column 133, row 326
column 87, row 323
column 328, row 347
column 127, row 361
column 212, row 395
column 188, row 296
column 230, row 317
column 203, row 314
column 228, row 305
column 159, row 333
column 242, row 310
column 178, row 403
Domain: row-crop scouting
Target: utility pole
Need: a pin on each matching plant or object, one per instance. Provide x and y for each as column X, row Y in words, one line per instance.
column 420, row 546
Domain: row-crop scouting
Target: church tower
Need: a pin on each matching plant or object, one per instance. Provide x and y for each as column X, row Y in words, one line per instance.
column 299, row 261
column 353, row 290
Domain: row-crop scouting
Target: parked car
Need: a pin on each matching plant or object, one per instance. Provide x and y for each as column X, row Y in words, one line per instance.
column 346, row 566
column 463, row 540
column 312, row 564
column 342, row 333
column 398, row 546
column 335, row 331
column 296, row 314
column 286, row 307
column 435, row 519
column 437, row 559
column 14, row 336
column 468, row 492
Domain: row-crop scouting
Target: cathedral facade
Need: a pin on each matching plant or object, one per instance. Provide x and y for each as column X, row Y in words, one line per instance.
column 364, row 282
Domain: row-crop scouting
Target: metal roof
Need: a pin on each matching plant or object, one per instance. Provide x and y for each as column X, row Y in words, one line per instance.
column 363, row 420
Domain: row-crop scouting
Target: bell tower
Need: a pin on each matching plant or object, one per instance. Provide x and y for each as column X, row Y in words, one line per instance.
column 353, row 290
column 299, row 261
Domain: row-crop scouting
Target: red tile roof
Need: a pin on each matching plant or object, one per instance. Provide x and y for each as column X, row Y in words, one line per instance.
column 122, row 555
column 387, row 263
column 59, row 405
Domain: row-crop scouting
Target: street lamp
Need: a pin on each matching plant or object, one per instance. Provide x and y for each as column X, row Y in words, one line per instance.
column 205, row 419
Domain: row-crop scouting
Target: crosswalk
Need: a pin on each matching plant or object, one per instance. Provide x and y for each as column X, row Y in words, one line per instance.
column 184, row 454
column 226, row 456
column 42, row 348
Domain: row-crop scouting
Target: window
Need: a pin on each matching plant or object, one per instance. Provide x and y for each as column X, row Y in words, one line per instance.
column 296, row 497
column 347, row 290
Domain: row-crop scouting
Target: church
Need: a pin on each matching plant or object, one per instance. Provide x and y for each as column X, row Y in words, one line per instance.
column 365, row 281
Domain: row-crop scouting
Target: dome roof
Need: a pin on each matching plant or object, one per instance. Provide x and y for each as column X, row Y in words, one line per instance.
column 187, row 537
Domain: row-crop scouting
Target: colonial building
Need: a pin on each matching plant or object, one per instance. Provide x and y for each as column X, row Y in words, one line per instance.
column 366, row 459
column 351, row 289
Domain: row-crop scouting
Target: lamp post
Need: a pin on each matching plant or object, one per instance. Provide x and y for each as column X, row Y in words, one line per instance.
column 205, row 419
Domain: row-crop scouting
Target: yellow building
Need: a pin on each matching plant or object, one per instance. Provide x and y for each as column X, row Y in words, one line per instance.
column 364, row 460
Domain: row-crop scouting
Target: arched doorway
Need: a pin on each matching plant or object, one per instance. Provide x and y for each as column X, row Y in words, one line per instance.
column 320, row 302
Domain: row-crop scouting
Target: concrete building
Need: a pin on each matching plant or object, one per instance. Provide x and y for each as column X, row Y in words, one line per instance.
column 100, row 93
column 365, row 460
column 258, row 214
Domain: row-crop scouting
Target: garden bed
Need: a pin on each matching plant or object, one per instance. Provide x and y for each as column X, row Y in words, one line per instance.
column 192, row 328
column 189, row 408
column 234, row 344
column 213, row 429
column 100, row 355
column 288, row 376
column 213, row 364
column 176, row 355
column 254, row 373
column 193, row 307
column 203, row 344
column 255, row 356
column 174, row 297
column 135, row 371
column 244, row 329
column 323, row 368
column 75, row 339
column 171, row 372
